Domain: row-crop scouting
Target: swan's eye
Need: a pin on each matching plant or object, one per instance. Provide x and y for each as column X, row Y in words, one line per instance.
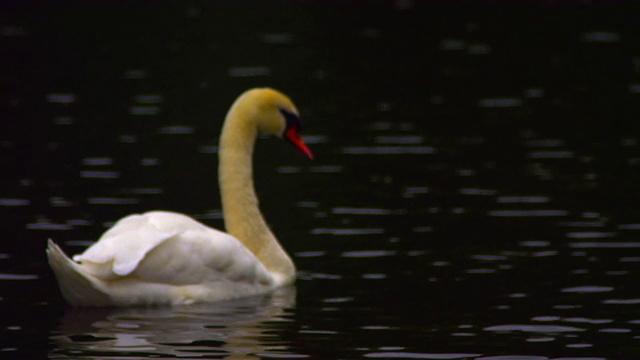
column 291, row 120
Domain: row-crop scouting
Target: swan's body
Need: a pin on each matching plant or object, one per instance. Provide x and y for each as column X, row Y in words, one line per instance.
column 168, row 258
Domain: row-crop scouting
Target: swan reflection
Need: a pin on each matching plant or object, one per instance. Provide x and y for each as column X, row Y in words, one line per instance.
column 232, row 329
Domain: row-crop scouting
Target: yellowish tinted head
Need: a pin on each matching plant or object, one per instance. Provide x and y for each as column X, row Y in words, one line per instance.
column 272, row 112
column 265, row 106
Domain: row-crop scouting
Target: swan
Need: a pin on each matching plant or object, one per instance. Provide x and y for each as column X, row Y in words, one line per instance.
column 162, row 257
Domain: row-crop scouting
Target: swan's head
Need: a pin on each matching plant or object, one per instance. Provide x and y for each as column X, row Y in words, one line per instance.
column 274, row 113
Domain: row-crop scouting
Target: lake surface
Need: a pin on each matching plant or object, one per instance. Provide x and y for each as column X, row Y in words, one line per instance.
column 474, row 194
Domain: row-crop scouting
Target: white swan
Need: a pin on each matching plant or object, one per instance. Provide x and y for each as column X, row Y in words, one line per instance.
column 168, row 258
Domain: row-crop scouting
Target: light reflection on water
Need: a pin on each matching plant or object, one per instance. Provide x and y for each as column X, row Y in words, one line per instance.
column 236, row 330
column 387, row 150
column 14, row 202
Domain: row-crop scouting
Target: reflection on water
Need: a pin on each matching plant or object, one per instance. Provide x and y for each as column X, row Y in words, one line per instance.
column 241, row 329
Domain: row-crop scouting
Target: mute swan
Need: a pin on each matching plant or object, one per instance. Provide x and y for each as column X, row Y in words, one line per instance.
column 163, row 257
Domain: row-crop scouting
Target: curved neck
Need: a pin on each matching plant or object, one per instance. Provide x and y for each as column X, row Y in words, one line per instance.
column 242, row 216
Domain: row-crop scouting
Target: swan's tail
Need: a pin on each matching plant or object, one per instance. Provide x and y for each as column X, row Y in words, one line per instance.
column 76, row 287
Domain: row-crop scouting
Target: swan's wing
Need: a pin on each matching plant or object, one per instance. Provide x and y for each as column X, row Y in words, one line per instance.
column 127, row 242
column 202, row 256
column 170, row 248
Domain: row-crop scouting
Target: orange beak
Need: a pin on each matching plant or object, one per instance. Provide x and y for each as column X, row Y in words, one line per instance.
column 293, row 136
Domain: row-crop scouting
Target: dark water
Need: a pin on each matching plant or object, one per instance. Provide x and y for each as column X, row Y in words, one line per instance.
column 475, row 192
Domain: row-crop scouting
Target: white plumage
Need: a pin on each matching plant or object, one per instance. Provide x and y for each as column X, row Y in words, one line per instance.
column 165, row 258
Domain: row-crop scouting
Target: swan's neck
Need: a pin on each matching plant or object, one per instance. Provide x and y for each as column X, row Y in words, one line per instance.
column 242, row 216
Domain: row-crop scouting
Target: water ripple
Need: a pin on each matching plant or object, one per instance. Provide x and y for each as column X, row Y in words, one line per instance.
column 144, row 110
column 622, row 301
column 546, row 143
column 61, row 98
column 540, row 339
column 587, row 320
column 97, row 161
column 338, row 300
column 527, row 213
column 533, row 328
column 360, row 211
column 412, row 355
column 58, row 201
column 523, row 199
column 98, row 174
column 323, row 231
column 367, row 253
column 112, row 201
column 148, row 98
column 601, row 37
column 534, row 243
column 208, row 149
column 412, row 191
column 587, row 289
column 14, row 202
column 585, row 224
column 176, row 130
column 611, row 245
column 309, row 254
column 615, row 330
column 48, row 225
column 400, row 140
column 303, row 275
column 326, row 169
column 315, row 139
column 514, row 357
column 477, row 192
column 499, row 102
column 387, row 150
column 590, row 235
column 559, row 154
column 18, row 277
column 288, row 169
column 146, row 191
